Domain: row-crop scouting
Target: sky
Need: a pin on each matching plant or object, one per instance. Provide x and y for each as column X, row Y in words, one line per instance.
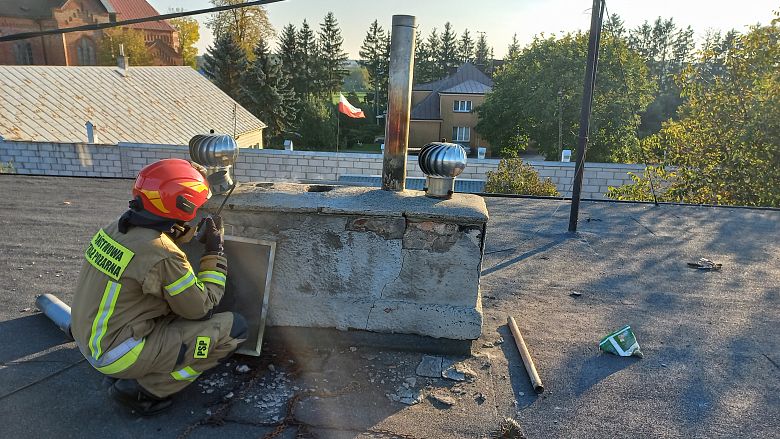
column 499, row 19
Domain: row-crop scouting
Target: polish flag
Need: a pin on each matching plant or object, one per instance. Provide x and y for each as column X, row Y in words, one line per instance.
column 348, row 109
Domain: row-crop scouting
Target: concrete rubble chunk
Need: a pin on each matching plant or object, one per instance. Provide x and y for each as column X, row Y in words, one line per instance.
column 430, row 366
column 456, row 372
column 406, row 396
column 445, row 400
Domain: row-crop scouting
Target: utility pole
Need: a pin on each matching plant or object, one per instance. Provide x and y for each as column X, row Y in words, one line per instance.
column 560, row 122
column 596, row 18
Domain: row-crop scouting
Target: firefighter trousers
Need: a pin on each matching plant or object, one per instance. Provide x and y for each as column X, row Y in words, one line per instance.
column 179, row 350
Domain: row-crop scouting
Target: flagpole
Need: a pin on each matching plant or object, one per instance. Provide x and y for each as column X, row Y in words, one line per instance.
column 338, row 129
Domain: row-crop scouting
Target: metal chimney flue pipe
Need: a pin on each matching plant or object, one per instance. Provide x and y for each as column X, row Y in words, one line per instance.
column 399, row 102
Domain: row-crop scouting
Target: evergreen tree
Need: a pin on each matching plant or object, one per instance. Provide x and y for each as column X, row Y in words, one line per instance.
column 666, row 50
column 372, row 57
column 287, row 52
column 332, row 57
column 513, row 51
column 429, row 66
column 421, row 55
column 448, row 52
column 268, row 93
column 615, row 26
column 304, row 81
column 466, row 48
column 225, row 63
column 484, row 55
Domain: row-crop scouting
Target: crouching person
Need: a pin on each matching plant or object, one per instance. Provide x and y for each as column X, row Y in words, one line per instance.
column 140, row 314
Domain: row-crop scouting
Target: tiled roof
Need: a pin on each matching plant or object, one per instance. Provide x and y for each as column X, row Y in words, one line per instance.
column 29, row 8
column 129, row 9
column 159, row 105
column 468, row 87
column 429, row 109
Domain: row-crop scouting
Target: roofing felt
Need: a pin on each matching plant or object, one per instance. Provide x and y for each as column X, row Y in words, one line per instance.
column 158, row 105
column 129, row 9
column 29, row 8
column 428, row 108
column 630, row 269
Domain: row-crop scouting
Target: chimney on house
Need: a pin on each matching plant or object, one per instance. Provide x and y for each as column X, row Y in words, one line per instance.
column 92, row 136
column 122, row 61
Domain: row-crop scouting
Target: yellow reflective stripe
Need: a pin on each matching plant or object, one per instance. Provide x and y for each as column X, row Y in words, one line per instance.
column 100, row 324
column 183, row 283
column 214, row 277
column 107, row 255
column 124, row 361
column 186, row 374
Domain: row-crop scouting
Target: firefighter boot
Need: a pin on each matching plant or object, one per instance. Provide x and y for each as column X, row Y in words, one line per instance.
column 132, row 395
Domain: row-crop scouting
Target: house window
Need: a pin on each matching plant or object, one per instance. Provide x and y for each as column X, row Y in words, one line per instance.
column 85, row 51
column 23, row 53
column 461, row 106
column 461, row 134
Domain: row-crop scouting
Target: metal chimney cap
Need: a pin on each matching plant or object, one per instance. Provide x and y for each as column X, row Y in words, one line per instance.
column 441, row 162
column 441, row 159
column 212, row 150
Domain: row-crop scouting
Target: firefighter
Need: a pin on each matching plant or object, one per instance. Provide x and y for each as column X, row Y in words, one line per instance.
column 140, row 314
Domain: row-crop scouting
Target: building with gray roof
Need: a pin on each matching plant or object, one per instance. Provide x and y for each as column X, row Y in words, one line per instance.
column 444, row 109
column 153, row 105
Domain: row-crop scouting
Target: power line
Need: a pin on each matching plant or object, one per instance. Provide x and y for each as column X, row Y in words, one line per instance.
column 99, row 26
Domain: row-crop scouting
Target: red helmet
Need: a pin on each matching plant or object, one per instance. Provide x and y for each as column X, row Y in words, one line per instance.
column 172, row 189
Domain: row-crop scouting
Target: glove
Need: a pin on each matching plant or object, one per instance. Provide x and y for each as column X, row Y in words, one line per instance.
column 210, row 233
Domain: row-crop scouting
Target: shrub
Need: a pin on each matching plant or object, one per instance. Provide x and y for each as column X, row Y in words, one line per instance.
column 515, row 177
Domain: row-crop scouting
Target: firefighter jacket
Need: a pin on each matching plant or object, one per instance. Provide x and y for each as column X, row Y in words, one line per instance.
column 129, row 282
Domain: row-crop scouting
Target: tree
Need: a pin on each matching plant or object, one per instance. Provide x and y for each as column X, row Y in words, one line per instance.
column 134, row 45
column 426, row 67
column 317, row 126
column 268, row 93
column 714, row 51
column 421, row 56
column 287, row 53
column 332, row 57
column 245, row 25
column 466, row 47
column 372, row 57
column 666, row 51
column 447, row 58
column 484, row 55
column 225, row 63
column 189, row 34
column 513, row 51
column 724, row 148
column 615, row 26
column 304, row 80
column 515, row 177
column 523, row 105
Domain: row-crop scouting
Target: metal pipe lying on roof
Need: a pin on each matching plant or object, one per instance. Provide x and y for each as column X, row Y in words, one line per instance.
column 399, row 102
column 527, row 360
column 56, row 310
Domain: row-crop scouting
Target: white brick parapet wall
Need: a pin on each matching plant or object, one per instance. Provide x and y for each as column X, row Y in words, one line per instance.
column 126, row 159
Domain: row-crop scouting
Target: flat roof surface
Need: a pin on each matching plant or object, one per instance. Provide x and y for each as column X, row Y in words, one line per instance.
column 710, row 338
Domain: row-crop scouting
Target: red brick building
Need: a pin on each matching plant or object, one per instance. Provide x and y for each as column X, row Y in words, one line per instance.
column 78, row 48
